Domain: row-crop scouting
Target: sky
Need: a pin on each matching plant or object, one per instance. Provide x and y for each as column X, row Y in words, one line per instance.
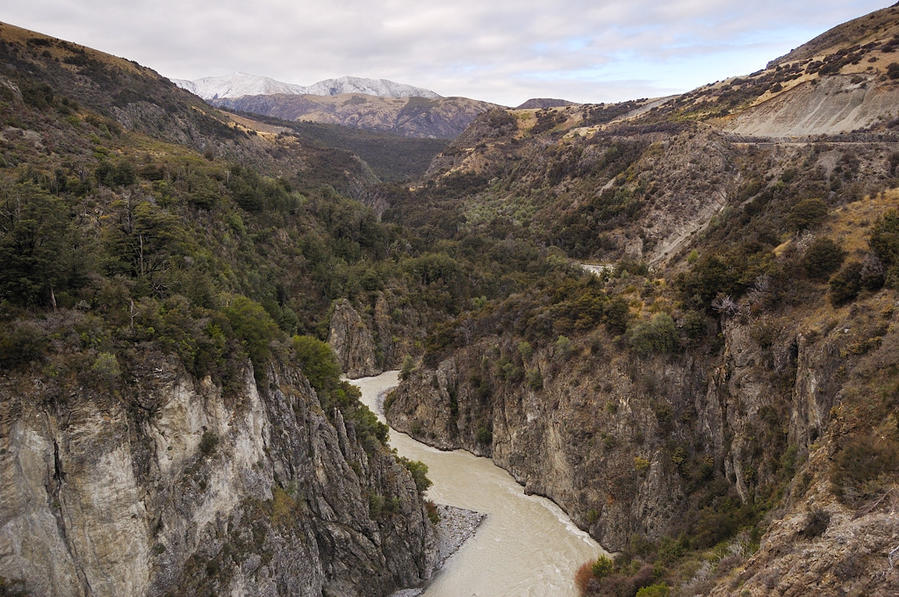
column 496, row 50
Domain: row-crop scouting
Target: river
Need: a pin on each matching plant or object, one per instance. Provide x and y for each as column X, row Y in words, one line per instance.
column 527, row 546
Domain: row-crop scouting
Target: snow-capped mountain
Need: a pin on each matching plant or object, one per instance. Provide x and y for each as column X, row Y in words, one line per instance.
column 241, row 84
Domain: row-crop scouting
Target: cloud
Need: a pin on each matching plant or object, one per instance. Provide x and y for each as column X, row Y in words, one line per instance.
column 502, row 51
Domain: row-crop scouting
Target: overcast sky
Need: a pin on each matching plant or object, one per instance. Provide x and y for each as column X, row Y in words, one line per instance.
column 498, row 50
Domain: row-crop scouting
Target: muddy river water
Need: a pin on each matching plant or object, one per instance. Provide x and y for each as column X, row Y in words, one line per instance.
column 527, row 546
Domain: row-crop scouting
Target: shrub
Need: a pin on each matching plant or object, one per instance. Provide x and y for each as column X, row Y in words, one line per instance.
column 208, row 443
column 419, row 471
column 657, row 590
column 893, row 70
column 807, row 213
column 640, row 464
column 602, row 567
column 846, row 284
column 317, row 360
column 815, row 524
column 407, row 367
column 21, row 343
column 535, row 379
column 582, row 578
column 861, row 463
column 433, row 514
column 822, row 258
column 106, row 366
column 254, row 326
column 657, row 335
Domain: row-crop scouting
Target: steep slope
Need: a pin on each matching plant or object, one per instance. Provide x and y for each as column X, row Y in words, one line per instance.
column 441, row 118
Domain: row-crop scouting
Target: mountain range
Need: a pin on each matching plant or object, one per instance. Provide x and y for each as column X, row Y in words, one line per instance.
column 240, row 84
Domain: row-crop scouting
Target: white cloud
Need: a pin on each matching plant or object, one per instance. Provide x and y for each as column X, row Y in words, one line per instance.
column 501, row 50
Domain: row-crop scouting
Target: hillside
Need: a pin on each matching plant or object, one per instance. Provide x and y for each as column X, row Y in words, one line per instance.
column 433, row 118
column 715, row 398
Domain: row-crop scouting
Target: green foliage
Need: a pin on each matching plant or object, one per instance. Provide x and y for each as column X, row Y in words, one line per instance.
column 657, row 590
column 807, row 213
column 254, row 327
column 535, row 379
column 846, row 284
column 884, row 242
column 407, row 367
column 106, row 366
column 21, row 342
column 710, row 276
column 603, row 567
column 657, row 335
column 317, row 361
column 419, row 471
column 822, row 258
column 38, row 250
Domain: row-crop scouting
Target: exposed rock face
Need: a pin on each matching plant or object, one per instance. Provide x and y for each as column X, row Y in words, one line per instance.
column 352, row 341
column 615, row 440
column 172, row 485
column 837, row 104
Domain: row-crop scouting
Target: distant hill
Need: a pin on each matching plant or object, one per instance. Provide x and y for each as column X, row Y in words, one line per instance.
column 241, row 84
column 543, row 102
column 435, row 118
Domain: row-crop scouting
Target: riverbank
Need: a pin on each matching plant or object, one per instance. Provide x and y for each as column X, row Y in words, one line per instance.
column 454, row 527
column 525, row 547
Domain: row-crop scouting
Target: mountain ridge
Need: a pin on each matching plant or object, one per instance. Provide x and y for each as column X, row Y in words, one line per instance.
column 241, row 84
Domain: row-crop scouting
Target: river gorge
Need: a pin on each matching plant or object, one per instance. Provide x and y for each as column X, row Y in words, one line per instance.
column 527, row 546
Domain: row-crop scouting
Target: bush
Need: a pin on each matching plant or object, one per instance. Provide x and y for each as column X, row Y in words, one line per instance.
column 317, row 360
column 419, row 471
column 657, row 590
column 807, row 213
column 815, row 524
column 602, row 567
column 846, row 284
column 208, row 443
column 657, row 335
column 254, row 327
column 822, row 258
column 21, row 343
column 535, row 379
column 106, row 366
column 407, row 367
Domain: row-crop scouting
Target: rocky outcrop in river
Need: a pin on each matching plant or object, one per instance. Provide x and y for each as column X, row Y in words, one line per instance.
column 169, row 485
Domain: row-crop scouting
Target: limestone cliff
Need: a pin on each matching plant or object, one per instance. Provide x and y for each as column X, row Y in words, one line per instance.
column 171, row 485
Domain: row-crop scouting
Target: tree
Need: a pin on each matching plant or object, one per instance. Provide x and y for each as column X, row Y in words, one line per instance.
column 318, row 362
column 37, row 249
column 254, row 327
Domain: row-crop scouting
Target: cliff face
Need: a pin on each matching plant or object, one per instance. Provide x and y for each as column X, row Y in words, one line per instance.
column 352, row 341
column 629, row 446
column 172, row 485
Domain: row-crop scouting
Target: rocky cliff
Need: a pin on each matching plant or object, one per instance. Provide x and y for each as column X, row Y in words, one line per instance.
column 166, row 484
column 639, row 447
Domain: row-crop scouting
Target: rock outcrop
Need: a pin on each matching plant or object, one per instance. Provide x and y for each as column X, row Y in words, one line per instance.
column 174, row 485
column 352, row 341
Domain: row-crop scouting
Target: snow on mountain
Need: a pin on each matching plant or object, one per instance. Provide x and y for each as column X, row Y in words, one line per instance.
column 241, row 84
column 378, row 87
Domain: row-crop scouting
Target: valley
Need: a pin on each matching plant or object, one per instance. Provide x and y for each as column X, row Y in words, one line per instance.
column 656, row 342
